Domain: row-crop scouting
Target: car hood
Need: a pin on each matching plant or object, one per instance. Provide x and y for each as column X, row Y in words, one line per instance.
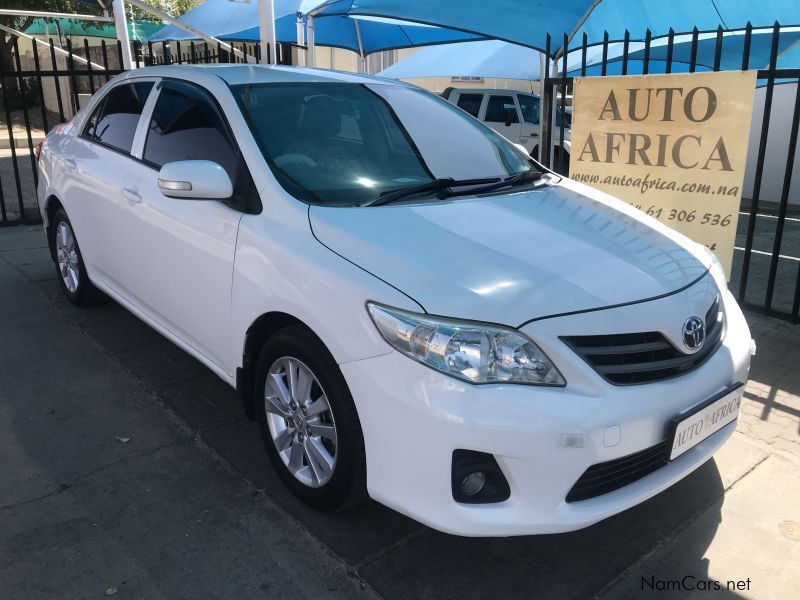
column 515, row 257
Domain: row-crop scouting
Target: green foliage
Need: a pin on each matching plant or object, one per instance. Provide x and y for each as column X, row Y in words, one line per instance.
column 174, row 8
column 20, row 23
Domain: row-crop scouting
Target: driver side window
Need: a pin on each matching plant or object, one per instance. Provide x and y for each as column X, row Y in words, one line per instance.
column 185, row 125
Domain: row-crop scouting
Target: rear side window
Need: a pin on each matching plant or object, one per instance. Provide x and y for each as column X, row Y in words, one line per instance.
column 501, row 109
column 114, row 122
column 470, row 103
column 186, row 125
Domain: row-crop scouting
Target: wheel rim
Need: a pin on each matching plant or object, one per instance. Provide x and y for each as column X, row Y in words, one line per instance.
column 67, row 257
column 300, row 422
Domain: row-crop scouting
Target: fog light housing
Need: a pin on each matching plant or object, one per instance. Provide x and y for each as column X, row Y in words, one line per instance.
column 476, row 478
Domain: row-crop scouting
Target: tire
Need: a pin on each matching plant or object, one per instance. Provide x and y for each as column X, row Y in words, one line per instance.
column 70, row 268
column 301, row 464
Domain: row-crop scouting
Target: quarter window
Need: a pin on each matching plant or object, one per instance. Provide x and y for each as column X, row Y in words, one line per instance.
column 115, row 120
column 501, row 109
column 186, row 126
column 470, row 103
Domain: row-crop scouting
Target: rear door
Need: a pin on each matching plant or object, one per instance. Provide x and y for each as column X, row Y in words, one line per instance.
column 180, row 263
column 94, row 165
column 501, row 114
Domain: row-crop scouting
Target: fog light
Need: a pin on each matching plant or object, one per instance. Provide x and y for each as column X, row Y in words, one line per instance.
column 473, row 483
column 476, row 478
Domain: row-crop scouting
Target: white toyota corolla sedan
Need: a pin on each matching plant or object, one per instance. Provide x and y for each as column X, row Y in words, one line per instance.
column 409, row 306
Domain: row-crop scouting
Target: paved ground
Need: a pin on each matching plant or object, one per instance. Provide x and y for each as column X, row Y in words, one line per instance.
column 128, row 466
column 9, row 193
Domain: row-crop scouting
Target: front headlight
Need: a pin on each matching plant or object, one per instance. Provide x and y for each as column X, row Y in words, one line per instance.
column 474, row 352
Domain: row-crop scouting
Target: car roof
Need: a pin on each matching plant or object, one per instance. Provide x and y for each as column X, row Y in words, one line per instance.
column 238, row 74
column 506, row 92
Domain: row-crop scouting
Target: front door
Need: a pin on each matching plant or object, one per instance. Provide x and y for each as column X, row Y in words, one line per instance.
column 180, row 265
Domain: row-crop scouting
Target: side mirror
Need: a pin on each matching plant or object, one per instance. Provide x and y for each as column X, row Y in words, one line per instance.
column 509, row 119
column 197, row 179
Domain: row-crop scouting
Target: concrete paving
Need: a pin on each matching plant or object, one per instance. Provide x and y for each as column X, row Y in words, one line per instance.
column 127, row 465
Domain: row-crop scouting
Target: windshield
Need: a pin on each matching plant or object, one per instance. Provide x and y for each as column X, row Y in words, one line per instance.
column 348, row 143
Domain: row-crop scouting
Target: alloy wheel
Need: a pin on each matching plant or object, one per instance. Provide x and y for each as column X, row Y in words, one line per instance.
column 67, row 257
column 300, row 422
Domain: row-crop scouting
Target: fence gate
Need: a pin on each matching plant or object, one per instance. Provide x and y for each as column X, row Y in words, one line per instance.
column 766, row 263
column 50, row 81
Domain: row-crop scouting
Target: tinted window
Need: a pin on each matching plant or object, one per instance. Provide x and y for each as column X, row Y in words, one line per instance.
column 470, row 103
column 530, row 108
column 186, row 125
column 114, row 122
column 345, row 143
column 501, row 109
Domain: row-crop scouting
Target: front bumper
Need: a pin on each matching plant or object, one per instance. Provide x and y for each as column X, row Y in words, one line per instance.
column 413, row 419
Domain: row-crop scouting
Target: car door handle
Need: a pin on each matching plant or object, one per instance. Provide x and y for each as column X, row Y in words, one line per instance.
column 131, row 195
column 70, row 164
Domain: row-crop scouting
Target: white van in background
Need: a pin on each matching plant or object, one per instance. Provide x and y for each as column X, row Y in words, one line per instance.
column 514, row 115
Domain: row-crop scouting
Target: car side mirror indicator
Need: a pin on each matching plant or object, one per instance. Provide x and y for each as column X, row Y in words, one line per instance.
column 195, row 179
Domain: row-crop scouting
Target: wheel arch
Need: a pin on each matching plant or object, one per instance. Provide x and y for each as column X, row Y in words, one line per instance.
column 258, row 333
column 51, row 205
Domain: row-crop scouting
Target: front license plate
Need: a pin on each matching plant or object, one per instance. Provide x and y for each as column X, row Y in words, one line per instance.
column 696, row 424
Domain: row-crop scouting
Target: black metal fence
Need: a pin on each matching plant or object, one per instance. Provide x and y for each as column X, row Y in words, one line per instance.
column 49, row 84
column 766, row 265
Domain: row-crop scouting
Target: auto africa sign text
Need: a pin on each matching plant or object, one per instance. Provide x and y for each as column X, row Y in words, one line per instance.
column 673, row 146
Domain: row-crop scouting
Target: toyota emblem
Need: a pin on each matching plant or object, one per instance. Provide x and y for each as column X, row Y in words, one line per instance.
column 694, row 333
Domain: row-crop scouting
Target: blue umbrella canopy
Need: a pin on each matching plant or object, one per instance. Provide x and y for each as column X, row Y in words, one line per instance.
column 234, row 21
column 219, row 17
column 487, row 58
column 730, row 54
column 527, row 22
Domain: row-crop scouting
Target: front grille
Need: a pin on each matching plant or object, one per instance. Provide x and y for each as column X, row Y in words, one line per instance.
column 634, row 358
column 609, row 476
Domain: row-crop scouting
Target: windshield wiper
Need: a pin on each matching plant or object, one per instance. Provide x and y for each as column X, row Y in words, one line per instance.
column 519, row 179
column 436, row 185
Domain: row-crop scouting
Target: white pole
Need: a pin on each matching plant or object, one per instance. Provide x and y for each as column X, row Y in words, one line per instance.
column 266, row 27
column 362, row 63
column 311, row 59
column 301, row 41
column 52, row 15
column 121, row 24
